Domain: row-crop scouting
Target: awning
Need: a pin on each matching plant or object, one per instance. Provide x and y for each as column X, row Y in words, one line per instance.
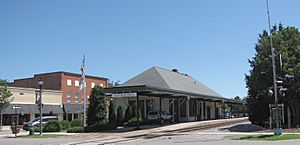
column 73, row 108
column 163, row 92
column 33, row 109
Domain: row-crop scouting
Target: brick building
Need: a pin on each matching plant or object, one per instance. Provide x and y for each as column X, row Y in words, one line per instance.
column 68, row 84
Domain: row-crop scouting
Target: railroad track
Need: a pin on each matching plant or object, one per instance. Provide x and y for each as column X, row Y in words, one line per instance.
column 208, row 126
column 201, row 126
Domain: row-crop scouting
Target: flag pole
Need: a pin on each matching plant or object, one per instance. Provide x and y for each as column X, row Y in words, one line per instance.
column 84, row 104
column 84, row 90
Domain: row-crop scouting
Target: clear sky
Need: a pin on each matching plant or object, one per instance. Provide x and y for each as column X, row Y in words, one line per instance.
column 210, row 40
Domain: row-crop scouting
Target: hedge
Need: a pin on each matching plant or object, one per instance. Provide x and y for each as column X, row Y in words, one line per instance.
column 52, row 126
column 75, row 130
column 76, row 123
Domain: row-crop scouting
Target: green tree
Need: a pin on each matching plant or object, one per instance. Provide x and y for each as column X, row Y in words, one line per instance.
column 128, row 113
column 98, row 108
column 112, row 115
column 286, row 41
column 120, row 115
column 5, row 95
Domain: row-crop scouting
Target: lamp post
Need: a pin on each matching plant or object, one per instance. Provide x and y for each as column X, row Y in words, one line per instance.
column 277, row 130
column 40, row 83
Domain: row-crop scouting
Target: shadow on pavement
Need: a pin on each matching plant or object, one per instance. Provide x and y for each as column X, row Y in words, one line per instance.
column 243, row 128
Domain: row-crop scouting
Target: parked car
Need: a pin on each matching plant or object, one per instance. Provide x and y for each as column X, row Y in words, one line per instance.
column 36, row 122
column 155, row 116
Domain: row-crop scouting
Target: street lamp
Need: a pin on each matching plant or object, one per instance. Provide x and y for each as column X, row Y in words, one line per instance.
column 40, row 83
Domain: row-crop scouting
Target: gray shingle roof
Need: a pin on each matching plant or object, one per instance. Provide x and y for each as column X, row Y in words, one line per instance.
column 163, row 78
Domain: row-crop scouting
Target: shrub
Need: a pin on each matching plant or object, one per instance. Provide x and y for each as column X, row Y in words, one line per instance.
column 76, row 123
column 36, row 129
column 133, row 122
column 120, row 116
column 75, row 130
column 112, row 114
column 52, row 126
column 100, row 127
column 133, row 112
column 65, row 124
column 128, row 113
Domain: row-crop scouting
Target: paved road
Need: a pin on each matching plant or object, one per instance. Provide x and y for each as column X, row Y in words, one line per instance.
column 214, row 136
column 199, row 139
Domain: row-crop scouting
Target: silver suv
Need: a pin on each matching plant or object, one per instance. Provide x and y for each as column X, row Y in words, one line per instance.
column 36, row 122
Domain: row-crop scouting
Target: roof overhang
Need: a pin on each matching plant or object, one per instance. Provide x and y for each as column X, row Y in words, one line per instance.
column 166, row 93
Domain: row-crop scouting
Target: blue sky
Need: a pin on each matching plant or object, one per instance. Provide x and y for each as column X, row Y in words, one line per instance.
column 210, row 40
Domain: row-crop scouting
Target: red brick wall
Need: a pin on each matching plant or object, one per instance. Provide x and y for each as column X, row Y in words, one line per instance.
column 26, row 83
column 51, row 80
column 73, row 89
column 58, row 81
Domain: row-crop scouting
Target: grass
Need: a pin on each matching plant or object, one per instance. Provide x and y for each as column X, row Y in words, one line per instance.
column 268, row 137
column 43, row 136
column 297, row 131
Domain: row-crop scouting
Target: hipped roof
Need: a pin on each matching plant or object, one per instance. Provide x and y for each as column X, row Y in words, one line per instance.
column 165, row 79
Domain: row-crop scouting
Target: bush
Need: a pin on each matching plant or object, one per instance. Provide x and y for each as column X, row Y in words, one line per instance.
column 128, row 114
column 65, row 124
column 36, row 129
column 120, row 116
column 100, row 127
column 133, row 122
column 52, row 126
column 112, row 115
column 76, row 123
column 75, row 130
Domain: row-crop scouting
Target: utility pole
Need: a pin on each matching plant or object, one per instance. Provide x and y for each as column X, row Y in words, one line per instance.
column 277, row 130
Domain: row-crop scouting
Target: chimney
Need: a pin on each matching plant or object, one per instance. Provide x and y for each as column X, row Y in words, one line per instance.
column 175, row 70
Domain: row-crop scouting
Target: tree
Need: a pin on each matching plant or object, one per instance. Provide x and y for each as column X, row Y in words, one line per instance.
column 286, row 40
column 128, row 113
column 5, row 95
column 112, row 115
column 98, row 108
column 120, row 116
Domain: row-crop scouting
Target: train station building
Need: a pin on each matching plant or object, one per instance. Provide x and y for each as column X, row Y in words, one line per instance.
column 182, row 96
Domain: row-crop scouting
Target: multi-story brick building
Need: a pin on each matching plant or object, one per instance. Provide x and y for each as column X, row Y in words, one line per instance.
column 69, row 85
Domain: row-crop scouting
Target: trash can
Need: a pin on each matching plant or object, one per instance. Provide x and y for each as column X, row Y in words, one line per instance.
column 31, row 131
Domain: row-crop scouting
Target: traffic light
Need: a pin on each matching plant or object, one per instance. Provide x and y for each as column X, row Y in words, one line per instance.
column 284, row 83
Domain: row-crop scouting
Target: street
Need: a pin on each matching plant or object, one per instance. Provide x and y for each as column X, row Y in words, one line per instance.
column 212, row 136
